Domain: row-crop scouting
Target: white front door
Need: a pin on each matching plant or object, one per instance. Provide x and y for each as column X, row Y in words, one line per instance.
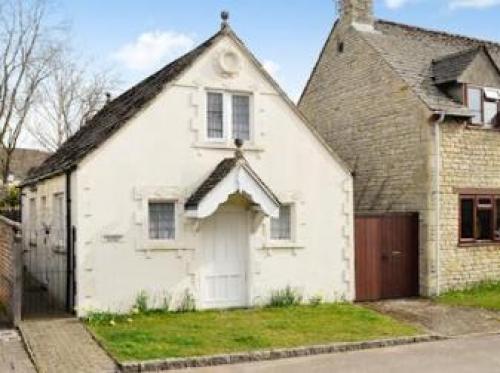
column 225, row 249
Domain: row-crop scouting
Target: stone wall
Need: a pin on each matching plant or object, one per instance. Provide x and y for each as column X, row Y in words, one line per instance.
column 10, row 268
column 376, row 123
column 470, row 159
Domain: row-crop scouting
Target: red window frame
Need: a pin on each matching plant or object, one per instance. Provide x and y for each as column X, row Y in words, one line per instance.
column 476, row 206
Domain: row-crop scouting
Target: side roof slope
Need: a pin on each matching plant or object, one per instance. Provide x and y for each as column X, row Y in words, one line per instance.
column 410, row 51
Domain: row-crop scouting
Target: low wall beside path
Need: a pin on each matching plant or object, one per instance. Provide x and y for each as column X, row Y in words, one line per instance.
column 10, row 269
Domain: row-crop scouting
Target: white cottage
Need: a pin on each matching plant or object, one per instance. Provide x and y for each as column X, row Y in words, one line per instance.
column 154, row 195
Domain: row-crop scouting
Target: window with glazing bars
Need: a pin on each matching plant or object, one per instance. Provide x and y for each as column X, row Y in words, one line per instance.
column 215, row 115
column 241, row 117
column 161, row 220
column 281, row 226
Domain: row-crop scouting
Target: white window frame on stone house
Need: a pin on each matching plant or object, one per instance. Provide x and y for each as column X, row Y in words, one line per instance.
column 227, row 116
column 479, row 118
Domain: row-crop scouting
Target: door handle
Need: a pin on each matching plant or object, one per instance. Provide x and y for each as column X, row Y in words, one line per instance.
column 396, row 253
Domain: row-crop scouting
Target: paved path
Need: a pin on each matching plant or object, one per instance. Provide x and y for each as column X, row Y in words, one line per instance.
column 465, row 355
column 64, row 345
column 13, row 357
column 440, row 319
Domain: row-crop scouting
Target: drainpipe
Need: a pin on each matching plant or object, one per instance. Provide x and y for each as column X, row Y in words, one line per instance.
column 437, row 190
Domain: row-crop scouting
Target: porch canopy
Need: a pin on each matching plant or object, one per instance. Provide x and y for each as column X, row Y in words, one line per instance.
column 232, row 175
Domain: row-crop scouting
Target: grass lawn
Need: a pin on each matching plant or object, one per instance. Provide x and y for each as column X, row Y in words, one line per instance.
column 164, row 335
column 485, row 295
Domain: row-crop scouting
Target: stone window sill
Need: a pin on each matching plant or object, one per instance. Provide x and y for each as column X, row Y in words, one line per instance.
column 479, row 244
column 223, row 145
column 480, row 127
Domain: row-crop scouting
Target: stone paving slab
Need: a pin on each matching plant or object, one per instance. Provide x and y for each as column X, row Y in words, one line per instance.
column 440, row 319
column 64, row 345
column 13, row 356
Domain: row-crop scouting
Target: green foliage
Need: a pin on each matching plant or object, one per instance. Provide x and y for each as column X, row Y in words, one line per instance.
column 485, row 295
column 99, row 318
column 157, row 335
column 286, row 297
column 9, row 198
column 188, row 303
column 141, row 302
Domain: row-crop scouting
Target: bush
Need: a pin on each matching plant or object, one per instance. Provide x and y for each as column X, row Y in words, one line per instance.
column 285, row 298
column 9, row 198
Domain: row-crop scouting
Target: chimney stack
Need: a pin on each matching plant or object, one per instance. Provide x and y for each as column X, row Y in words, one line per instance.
column 358, row 13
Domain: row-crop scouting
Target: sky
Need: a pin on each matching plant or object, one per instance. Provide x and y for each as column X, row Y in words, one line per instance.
column 136, row 37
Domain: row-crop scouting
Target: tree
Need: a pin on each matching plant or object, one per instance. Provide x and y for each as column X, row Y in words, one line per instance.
column 69, row 97
column 27, row 53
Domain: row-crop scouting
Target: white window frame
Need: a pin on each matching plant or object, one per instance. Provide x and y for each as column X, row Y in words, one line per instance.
column 292, row 241
column 224, row 118
column 483, row 99
column 153, row 201
column 227, row 116
column 163, row 244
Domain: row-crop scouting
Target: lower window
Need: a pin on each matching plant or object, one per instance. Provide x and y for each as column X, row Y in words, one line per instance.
column 479, row 218
column 281, row 227
column 161, row 220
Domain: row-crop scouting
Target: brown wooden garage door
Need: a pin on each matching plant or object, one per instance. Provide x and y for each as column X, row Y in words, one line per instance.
column 386, row 256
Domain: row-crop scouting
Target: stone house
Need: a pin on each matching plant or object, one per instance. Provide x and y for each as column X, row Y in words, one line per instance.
column 201, row 183
column 414, row 112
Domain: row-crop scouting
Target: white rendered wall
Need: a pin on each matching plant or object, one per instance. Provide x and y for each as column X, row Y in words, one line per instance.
column 162, row 154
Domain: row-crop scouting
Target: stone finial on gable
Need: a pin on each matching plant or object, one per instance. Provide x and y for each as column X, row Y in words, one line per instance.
column 224, row 16
column 358, row 13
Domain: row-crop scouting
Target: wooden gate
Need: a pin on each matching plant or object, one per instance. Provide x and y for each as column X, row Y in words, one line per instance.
column 386, row 256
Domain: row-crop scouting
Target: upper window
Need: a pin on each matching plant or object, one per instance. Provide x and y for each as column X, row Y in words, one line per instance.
column 233, row 109
column 479, row 218
column 241, row 117
column 161, row 220
column 281, row 227
column 215, row 115
column 484, row 106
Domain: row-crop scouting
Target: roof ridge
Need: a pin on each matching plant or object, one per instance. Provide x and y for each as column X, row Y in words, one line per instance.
column 490, row 43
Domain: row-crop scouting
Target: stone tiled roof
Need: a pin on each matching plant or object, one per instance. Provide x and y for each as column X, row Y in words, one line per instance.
column 449, row 68
column 218, row 174
column 410, row 51
column 116, row 113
